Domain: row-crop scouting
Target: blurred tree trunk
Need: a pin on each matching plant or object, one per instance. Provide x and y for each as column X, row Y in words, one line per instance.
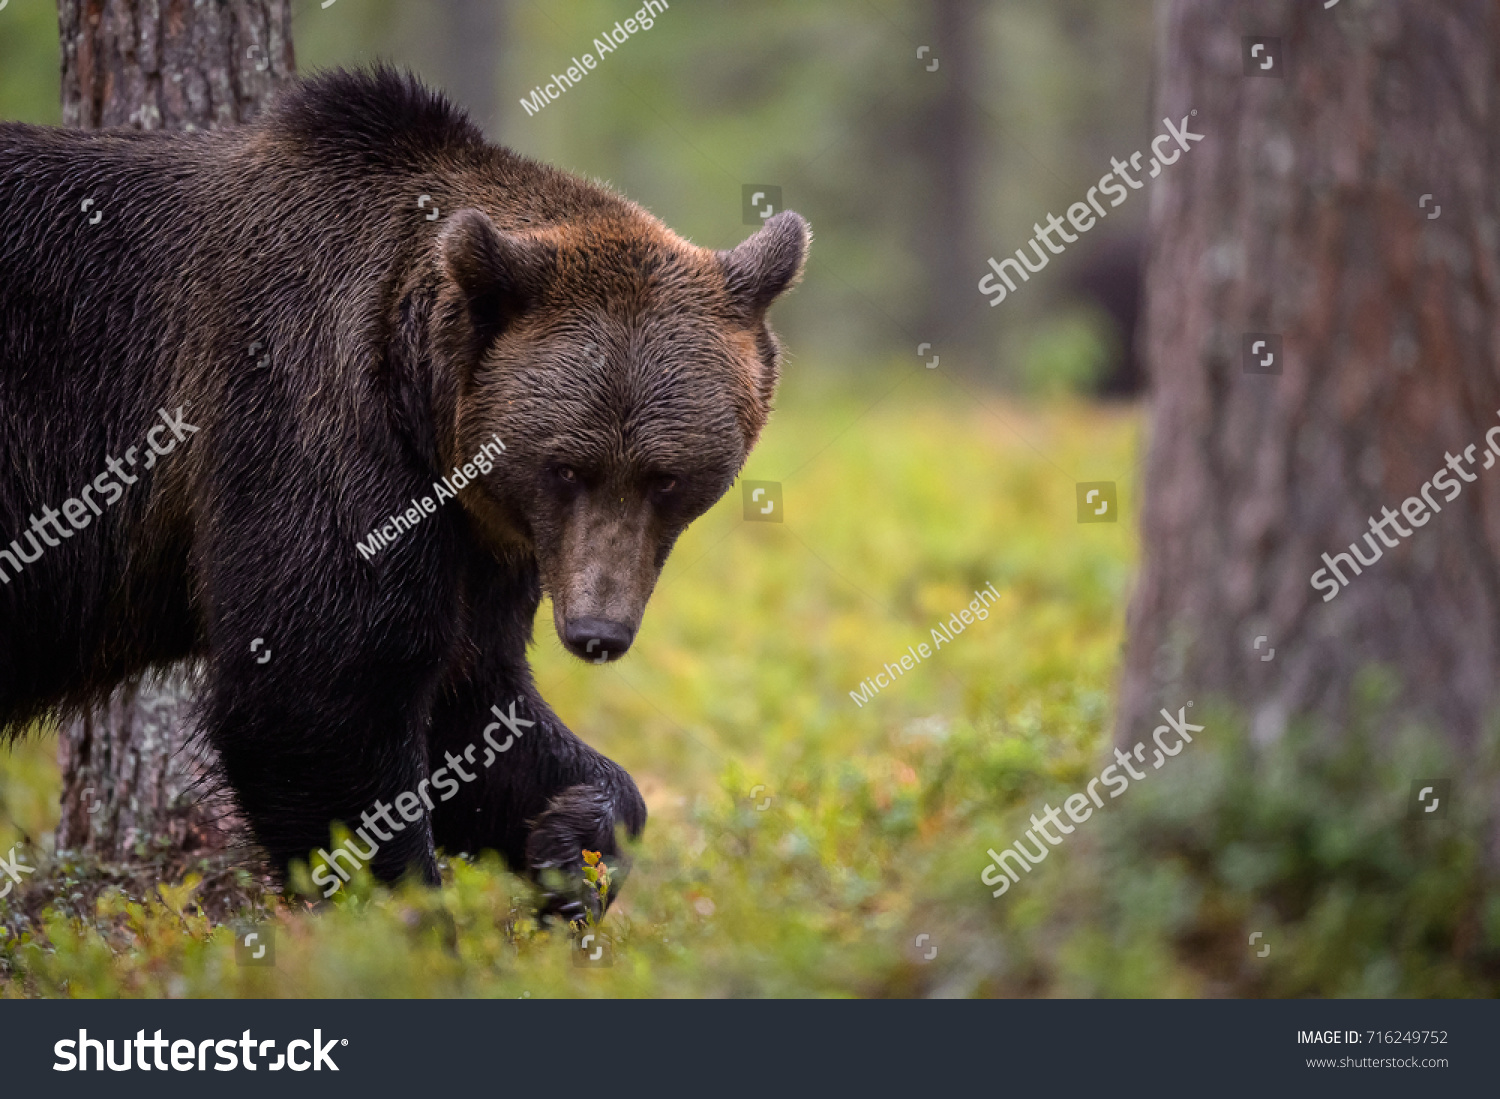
column 1299, row 214
column 947, row 139
column 467, row 43
column 130, row 772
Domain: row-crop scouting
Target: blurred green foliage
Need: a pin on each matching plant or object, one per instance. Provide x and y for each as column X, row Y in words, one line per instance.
column 30, row 63
column 900, row 501
column 826, row 100
column 1068, row 353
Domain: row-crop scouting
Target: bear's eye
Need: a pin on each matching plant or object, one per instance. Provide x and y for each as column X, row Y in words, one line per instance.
column 566, row 474
column 665, row 486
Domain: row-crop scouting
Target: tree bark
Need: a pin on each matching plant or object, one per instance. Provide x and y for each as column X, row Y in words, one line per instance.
column 134, row 780
column 1300, row 214
column 172, row 64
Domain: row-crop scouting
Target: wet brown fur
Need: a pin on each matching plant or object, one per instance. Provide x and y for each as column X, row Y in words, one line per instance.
column 397, row 347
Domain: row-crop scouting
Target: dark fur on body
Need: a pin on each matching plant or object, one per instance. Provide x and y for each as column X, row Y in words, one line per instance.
column 627, row 372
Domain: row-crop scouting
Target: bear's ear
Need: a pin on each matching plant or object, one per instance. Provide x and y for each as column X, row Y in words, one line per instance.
column 498, row 274
column 766, row 265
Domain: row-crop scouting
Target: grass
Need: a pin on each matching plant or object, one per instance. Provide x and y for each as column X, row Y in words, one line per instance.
column 799, row 844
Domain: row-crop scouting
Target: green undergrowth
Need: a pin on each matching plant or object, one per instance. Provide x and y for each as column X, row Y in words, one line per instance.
column 801, row 844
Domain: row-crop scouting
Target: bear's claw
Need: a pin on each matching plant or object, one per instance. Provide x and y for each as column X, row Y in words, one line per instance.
column 581, row 818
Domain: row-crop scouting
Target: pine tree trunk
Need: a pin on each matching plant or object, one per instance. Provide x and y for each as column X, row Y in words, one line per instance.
column 1301, row 214
column 172, row 64
column 132, row 777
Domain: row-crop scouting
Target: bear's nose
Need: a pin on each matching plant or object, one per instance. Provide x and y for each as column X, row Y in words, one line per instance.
column 597, row 639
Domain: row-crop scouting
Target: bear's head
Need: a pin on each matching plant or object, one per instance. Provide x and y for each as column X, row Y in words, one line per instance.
column 628, row 374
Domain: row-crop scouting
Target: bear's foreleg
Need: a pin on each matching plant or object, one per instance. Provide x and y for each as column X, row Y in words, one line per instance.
column 541, row 796
column 299, row 760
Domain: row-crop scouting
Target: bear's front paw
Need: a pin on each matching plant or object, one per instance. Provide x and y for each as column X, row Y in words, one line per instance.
column 584, row 819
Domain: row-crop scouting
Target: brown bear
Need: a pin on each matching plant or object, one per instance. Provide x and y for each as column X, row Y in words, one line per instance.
column 324, row 404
